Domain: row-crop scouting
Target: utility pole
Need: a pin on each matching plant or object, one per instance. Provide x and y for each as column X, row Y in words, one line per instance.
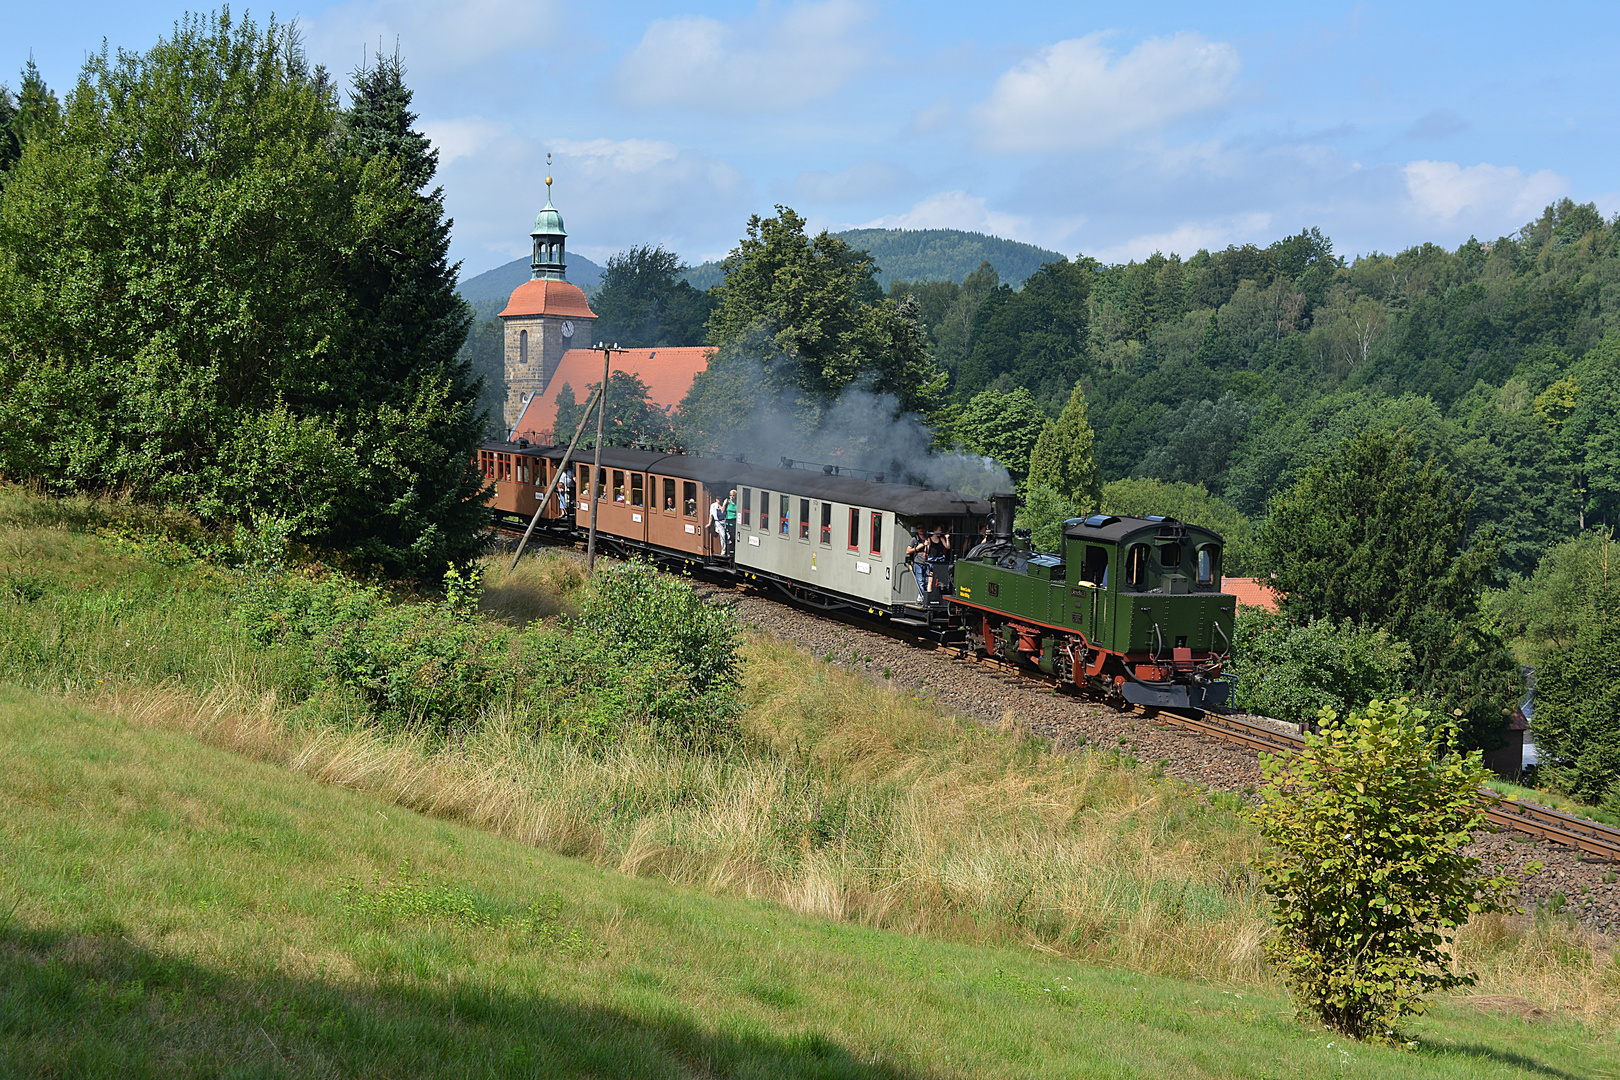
column 597, row 487
column 567, row 459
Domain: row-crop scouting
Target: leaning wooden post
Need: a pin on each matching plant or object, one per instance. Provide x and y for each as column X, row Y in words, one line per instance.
column 596, row 464
column 578, row 431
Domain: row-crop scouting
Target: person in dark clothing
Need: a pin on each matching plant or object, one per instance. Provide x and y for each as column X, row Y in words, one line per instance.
column 914, row 558
column 937, row 554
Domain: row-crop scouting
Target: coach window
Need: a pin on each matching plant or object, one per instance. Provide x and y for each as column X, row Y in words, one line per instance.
column 854, row 529
column 1209, row 557
column 618, row 485
column 638, row 494
column 1169, row 556
column 804, row 519
column 1136, row 566
column 669, row 496
column 689, row 497
column 826, row 523
column 747, row 507
column 877, row 533
column 764, row 511
column 782, row 512
column 506, row 466
column 523, row 346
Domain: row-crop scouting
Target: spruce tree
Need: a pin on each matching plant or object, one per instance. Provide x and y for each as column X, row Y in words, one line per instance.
column 32, row 113
column 1063, row 459
column 404, row 338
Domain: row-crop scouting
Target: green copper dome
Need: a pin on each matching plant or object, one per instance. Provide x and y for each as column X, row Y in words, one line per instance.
column 549, row 222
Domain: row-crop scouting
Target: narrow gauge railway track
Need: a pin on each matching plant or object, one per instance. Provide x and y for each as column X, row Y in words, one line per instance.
column 1593, row 838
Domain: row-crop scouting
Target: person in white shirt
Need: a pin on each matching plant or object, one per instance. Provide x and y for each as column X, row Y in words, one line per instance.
column 717, row 519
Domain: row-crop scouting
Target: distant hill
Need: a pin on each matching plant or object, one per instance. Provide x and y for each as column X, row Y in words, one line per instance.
column 926, row 255
column 488, row 292
column 906, row 254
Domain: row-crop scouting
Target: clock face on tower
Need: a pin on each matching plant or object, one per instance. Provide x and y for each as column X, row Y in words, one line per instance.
column 568, row 328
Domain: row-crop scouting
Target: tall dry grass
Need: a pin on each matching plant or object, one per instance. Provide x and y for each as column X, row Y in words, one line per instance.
column 880, row 813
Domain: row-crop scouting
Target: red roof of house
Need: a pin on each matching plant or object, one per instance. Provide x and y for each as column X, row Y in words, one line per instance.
column 668, row 373
column 547, row 297
column 1256, row 592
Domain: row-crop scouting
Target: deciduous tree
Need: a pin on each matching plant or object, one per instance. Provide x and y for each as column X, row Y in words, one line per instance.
column 1366, row 869
column 644, row 301
column 1004, row 427
column 218, row 289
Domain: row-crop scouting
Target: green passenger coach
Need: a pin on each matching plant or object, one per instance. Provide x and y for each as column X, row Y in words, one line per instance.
column 1131, row 608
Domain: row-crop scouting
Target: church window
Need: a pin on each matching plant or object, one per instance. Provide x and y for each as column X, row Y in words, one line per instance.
column 523, row 346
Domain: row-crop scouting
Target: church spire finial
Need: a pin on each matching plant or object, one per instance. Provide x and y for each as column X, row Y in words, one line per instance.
column 548, row 177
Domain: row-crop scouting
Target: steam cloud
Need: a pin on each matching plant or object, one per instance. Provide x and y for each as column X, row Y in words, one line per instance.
column 864, row 430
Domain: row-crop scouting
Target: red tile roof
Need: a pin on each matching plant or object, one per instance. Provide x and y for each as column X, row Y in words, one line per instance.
column 1256, row 592
column 668, row 373
column 548, row 297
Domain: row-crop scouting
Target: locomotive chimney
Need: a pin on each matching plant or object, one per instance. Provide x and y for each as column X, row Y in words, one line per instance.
column 1005, row 505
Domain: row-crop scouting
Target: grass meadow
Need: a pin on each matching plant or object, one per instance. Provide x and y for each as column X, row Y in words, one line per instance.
column 859, row 887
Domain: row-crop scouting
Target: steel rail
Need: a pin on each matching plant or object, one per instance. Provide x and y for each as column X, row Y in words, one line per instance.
column 1531, row 818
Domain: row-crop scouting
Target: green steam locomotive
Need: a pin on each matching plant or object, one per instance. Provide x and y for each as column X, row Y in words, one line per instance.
column 1131, row 609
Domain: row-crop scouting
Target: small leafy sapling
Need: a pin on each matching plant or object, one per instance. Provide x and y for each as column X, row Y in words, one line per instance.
column 1365, row 865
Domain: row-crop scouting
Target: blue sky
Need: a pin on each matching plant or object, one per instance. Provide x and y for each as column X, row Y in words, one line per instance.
column 1111, row 130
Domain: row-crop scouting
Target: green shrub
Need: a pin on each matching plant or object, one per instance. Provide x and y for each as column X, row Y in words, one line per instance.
column 647, row 657
column 1293, row 672
column 429, row 663
column 576, row 684
column 1365, row 869
column 636, row 611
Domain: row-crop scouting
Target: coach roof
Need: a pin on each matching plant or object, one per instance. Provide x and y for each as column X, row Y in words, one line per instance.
column 900, row 498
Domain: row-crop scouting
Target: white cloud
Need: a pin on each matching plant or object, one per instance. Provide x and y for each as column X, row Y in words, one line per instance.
column 1495, row 196
column 761, row 64
column 1078, row 95
column 435, row 38
column 954, row 210
column 461, row 137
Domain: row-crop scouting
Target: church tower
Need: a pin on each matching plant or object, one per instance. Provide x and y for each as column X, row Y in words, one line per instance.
column 546, row 316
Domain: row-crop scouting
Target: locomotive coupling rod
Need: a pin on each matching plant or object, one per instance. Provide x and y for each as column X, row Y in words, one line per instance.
column 553, row 485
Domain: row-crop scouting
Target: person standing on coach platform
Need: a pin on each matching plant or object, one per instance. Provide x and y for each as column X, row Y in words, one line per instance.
column 731, row 520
